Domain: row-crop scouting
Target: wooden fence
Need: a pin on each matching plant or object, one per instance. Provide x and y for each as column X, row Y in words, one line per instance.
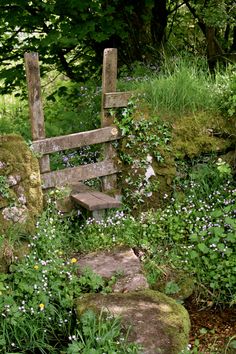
column 107, row 168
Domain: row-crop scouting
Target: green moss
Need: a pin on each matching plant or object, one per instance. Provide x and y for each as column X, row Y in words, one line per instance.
column 157, row 322
column 20, row 167
column 184, row 282
column 200, row 134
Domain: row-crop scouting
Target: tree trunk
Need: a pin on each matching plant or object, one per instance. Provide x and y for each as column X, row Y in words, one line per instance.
column 159, row 22
column 214, row 50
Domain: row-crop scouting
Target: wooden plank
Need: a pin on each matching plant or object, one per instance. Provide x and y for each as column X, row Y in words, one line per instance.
column 116, row 99
column 35, row 103
column 72, row 175
column 79, row 187
column 60, row 143
column 109, row 78
column 95, row 200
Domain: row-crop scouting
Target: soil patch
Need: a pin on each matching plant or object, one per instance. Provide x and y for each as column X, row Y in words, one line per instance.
column 212, row 326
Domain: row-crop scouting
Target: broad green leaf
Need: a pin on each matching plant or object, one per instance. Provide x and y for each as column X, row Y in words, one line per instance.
column 203, row 248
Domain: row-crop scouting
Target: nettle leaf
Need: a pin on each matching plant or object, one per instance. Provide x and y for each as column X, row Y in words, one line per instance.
column 217, row 231
column 221, row 247
column 193, row 254
column 194, row 238
column 216, row 213
column 230, row 221
column 231, row 238
column 203, row 248
column 227, row 209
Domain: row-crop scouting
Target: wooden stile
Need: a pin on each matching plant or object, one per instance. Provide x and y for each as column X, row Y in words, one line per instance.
column 94, row 201
column 116, row 99
column 74, row 174
column 109, row 77
column 71, row 141
column 35, row 103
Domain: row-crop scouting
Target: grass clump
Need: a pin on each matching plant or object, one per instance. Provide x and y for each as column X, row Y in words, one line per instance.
column 186, row 88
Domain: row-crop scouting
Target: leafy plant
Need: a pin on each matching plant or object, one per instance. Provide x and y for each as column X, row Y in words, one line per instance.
column 4, row 187
column 100, row 334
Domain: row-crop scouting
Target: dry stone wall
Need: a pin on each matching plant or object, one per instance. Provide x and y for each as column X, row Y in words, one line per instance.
column 21, row 198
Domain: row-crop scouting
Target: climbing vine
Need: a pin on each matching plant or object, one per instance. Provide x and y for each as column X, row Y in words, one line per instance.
column 144, row 145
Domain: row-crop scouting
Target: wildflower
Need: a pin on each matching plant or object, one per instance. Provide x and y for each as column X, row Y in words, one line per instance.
column 36, row 267
column 73, row 260
column 41, row 306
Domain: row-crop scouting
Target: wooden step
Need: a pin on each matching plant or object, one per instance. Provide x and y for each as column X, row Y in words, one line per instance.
column 92, row 200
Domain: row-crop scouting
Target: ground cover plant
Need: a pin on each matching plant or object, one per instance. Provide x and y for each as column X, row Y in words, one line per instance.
column 37, row 298
column 195, row 234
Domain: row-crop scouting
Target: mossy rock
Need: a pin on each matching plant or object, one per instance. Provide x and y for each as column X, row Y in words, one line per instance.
column 175, row 283
column 192, row 137
column 21, row 170
column 10, row 251
column 201, row 134
column 156, row 322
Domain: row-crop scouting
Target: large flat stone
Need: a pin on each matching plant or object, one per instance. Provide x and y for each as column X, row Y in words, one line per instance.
column 121, row 261
column 158, row 323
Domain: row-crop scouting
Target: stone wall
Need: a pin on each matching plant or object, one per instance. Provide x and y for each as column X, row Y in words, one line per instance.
column 21, row 198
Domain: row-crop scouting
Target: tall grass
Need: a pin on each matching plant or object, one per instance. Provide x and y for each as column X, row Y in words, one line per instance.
column 14, row 116
column 181, row 87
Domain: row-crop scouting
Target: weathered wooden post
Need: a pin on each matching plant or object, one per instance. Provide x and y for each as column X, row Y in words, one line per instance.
column 109, row 78
column 35, row 104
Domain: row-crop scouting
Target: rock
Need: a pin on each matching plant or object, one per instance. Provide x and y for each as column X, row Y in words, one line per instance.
column 156, row 322
column 23, row 201
column 120, row 262
column 176, row 284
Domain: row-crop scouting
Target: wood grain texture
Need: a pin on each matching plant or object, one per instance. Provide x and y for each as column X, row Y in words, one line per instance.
column 116, row 99
column 75, row 174
column 93, row 200
column 35, row 103
column 71, row 141
column 109, row 79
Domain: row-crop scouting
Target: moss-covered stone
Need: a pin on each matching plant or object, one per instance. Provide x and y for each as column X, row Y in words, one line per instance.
column 158, row 323
column 200, row 134
column 175, row 283
column 21, row 170
column 192, row 137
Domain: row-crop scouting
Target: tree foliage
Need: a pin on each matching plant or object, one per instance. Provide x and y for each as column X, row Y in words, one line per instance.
column 71, row 35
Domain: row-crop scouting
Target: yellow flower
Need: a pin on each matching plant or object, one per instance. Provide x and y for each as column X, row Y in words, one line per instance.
column 73, row 260
column 60, row 253
column 36, row 267
column 41, row 306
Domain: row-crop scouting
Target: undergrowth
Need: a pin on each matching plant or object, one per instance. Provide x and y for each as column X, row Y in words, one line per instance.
column 195, row 232
column 37, row 299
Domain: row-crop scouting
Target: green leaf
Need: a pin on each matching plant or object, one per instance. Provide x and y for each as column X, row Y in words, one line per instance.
column 193, row 254
column 216, row 213
column 231, row 238
column 231, row 222
column 203, row 248
column 194, row 237
column 233, row 344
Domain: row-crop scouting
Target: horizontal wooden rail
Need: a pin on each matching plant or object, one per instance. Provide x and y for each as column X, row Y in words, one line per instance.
column 74, row 174
column 71, row 141
column 116, row 99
